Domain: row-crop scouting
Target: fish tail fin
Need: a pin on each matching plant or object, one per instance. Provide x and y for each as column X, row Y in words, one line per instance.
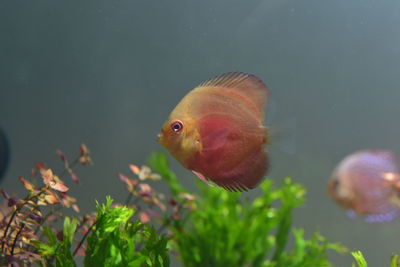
column 284, row 136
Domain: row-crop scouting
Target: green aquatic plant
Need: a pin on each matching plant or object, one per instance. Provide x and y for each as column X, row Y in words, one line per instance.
column 112, row 241
column 361, row 262
column 115, row 238
column 211, row 228
column 57, row 250
column 227, row 229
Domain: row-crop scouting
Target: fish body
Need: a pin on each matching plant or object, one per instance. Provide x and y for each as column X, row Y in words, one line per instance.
column 216, row 131
column 4, row 153
column 368, row 183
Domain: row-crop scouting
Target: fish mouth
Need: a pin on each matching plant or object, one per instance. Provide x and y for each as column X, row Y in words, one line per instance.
column 159, row 138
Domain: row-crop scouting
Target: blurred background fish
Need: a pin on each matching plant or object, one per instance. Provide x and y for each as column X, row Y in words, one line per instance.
column 4, row 153
column 216, row 131
column 368, row 183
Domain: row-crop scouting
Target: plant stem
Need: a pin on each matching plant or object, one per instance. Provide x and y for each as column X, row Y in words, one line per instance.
column 128, row 199
column 45, row 218
column 163, row 226
column 68, row 167
column 15, row 213
column 16, row 238
column 83, row 238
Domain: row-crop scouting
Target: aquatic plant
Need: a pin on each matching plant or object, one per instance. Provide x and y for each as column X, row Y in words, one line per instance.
column 227, row 229
column 115, row 238
column 361, row 262
column 25, row 222
column 212, row 228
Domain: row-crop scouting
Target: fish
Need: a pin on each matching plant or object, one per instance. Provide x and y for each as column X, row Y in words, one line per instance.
column 4, row 153
column 217, row 131
column 367, row 183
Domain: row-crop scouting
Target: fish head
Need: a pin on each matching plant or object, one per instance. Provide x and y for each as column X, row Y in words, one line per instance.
column 341, row 191
column 181, row 137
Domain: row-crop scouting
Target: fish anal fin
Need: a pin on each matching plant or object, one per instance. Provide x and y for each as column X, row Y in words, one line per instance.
column 383, row 217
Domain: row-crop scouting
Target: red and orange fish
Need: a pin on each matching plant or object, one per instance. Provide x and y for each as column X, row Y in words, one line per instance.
column 217, row 131
column 368, row 183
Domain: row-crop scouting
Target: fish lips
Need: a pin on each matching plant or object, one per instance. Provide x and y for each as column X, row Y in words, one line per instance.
column 159, row 138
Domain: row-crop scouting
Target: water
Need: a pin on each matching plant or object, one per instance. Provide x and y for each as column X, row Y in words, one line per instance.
column 107, row 73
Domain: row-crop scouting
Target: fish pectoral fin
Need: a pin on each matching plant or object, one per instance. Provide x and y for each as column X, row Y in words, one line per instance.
column 235, row 187
column 203, row 178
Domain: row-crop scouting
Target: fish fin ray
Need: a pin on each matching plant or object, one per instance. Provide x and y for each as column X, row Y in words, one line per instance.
column 234, row 187
column 227, row 79
column 247, row 85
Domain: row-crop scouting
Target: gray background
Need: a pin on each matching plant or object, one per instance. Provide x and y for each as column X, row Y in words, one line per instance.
column 108, row 73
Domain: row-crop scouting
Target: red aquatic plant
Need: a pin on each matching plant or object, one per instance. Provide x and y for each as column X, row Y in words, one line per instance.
column 23, row 220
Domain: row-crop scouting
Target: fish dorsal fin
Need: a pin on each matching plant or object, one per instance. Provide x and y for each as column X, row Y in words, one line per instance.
column 228, row 79
column 246, row 85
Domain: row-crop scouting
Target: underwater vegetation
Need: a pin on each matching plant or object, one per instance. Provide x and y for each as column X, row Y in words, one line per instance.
column 213, row 227
column 361, row 262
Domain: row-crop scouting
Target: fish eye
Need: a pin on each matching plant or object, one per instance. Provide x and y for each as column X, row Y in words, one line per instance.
column 177, row 126
column 336, row 182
